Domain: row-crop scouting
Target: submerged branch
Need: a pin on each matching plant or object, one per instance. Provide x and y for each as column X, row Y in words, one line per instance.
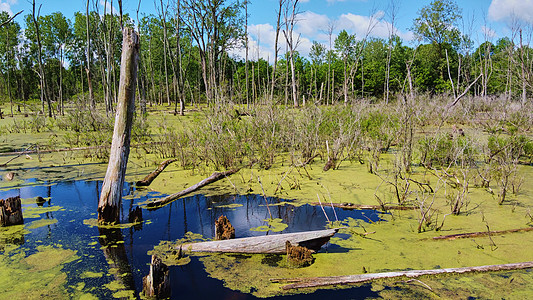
column 216, row 176
column 150, row 177
column 480, row 234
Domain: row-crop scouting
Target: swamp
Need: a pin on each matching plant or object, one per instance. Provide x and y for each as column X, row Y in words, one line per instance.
column 141, row 159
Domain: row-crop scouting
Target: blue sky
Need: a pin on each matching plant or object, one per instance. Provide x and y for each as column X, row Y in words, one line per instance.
column 482, row 19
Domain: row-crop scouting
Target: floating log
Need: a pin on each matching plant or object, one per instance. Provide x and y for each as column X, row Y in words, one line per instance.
column 150, row 177
column 11, row 211
column 274, row 244
column 313, row 282
column 216, row 176
column 156, row 283
column 480, row 234
column 374, row 207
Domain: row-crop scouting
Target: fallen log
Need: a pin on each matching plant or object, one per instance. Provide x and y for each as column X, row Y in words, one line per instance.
column 480, row 234
column 374, row 207
column 273, row 244
column 313, row 282
column 216, row 176
column 150, row 177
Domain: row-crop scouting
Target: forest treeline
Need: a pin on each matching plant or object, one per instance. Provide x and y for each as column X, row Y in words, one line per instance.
column 185, row 58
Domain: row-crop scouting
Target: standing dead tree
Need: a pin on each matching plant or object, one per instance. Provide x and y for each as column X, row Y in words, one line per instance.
column 111, row 196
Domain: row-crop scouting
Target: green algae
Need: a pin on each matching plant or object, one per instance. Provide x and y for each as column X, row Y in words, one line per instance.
column 34, row 212
column 232, row 205
column 39, row 275
column 94, row 223
column 170, row 253
column 90, row 274
column 274, row 225
column 41, row 223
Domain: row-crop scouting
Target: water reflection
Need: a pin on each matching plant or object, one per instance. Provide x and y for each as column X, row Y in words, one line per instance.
column 125, row 250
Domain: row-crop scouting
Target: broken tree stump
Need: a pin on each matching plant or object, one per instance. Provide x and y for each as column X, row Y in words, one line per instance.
column 150, row 177
column 216, row 176
column 223, row 229
column 156, row 283
column 298, row 256
column 11, row 211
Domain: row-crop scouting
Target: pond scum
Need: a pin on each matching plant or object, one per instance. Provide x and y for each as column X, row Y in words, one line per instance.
column 401, row 241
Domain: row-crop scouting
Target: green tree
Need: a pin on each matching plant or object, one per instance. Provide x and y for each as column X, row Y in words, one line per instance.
column 345, row 47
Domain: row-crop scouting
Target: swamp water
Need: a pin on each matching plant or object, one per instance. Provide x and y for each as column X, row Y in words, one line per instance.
column 58, row 253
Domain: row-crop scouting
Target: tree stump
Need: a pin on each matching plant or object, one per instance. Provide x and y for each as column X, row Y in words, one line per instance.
column 298, row 256
column 11, row 211
column 156, row 283
column 223, row 229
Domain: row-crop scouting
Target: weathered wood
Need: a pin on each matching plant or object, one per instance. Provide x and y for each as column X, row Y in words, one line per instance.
column 223, row 229
column 111, row 196
column 313, row 282
column 364, row 206
column 216, row 176
column 156, row 283
column 298, row 256
column 150, row 177
column 480, row 234
column 11, row 211
column 275, row 244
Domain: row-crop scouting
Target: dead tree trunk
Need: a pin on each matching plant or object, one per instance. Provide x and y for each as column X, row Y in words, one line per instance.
column 11, row 211
column 157, row 283
column 111, row 196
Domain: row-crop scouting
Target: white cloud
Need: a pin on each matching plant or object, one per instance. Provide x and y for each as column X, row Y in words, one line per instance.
column 5, row 5
column 108, row 7
column 372, row 25
column 504, row 10
column 314, row 27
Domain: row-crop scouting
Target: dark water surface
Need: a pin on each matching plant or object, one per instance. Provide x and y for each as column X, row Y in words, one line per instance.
column 126, row 249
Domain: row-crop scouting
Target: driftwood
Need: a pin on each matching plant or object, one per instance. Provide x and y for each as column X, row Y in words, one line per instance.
column 156, row 283
column 150, row 177
column 375, row 207
column 274, row 244
column 11, row 211
column 216, row 176
column 313, row 282
column 480, row 234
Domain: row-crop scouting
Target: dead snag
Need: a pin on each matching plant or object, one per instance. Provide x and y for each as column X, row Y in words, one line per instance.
column 111, row 196
column 480, row 234
column 150, row 177
column 156, row 283
column 223, row 229
column 216, row 176
column 313, row 282
column 11, row 211
column 298, row 256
